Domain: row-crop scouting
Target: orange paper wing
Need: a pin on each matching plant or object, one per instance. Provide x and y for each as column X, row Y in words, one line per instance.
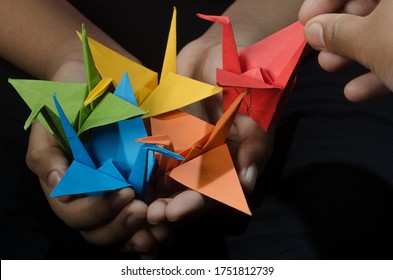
column 183, row 129
column 213, row 174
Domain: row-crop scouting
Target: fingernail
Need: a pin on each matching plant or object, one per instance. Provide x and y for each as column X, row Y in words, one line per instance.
column 313, row 32
column 53, row 179
column 248, row 176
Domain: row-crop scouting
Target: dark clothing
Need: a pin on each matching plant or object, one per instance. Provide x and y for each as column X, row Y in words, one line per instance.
column 326, row 193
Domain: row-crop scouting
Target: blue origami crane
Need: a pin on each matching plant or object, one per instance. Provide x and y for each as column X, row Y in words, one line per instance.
column 111, row 159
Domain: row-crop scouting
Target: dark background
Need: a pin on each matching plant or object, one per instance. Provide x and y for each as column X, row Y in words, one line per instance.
column 326, row 193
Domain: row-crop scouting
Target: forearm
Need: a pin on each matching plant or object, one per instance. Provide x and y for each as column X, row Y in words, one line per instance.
column 39, row 35
column 253, row 20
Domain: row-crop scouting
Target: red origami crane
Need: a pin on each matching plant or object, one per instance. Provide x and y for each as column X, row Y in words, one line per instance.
column 267, row 69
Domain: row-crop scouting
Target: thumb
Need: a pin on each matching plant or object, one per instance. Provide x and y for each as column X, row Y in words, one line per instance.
column 45, row 158
column 340, row 34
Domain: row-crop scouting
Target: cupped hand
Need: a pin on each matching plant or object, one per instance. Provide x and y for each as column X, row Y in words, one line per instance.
column 250, row 146
column 115, row 218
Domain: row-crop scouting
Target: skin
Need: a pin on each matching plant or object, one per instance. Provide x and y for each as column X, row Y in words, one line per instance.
column 117, row 218
column 357, row 30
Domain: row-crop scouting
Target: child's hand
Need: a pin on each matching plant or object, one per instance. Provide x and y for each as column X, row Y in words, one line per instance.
column 113, row 219
column 312, row 8
column 358, row 34
column 250, row 146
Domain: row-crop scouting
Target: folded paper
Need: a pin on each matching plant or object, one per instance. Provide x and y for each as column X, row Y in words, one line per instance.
column 207, row 166
column 104, row 133
column 111, row 159
column 172, row 92
column 268, row 68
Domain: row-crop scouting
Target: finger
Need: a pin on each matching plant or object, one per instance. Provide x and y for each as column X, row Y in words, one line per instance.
column 89, row 212
column 365, row 87
column 156, row 211
column 312, row 8
column 332, row 62
column 146, row 241
column 45, row 158
column 161, row 232
column 200, row 69
column 121, row 228
column 142, row 242
column 188, row 204
column 185, row 64
column 360, row 7
column 253, row 151
column 341, row 34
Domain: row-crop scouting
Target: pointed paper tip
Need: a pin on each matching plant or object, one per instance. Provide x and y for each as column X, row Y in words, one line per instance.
column 82, row 32
column 247, row 211
column 124, row 90
column 163, row 151
column 169, row 64
column 174, row 15
column 98, row 91
column 58, row 107
column 162, row 139
column 217, row 19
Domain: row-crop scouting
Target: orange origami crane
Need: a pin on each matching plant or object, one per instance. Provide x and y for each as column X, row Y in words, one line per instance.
column 207, row 167
column 267, row 67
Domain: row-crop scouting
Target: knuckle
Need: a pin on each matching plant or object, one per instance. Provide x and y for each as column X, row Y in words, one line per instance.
column 33, row 157
column 334, row 35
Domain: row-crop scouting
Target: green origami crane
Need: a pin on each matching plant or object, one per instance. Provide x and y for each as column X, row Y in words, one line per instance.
column 108, row 108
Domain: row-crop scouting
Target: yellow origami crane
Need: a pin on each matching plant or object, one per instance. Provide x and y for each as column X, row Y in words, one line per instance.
column 173, row 90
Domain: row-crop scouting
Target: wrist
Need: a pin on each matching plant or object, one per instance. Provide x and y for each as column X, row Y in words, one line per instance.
column 66, row 64
column 69, row 71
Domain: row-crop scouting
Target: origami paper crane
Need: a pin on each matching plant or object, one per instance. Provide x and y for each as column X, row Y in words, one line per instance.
column 173, row 90
column 111, row 159
column 207, row 166
column 122, row 161
column 38, row 96
column 267, row 67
